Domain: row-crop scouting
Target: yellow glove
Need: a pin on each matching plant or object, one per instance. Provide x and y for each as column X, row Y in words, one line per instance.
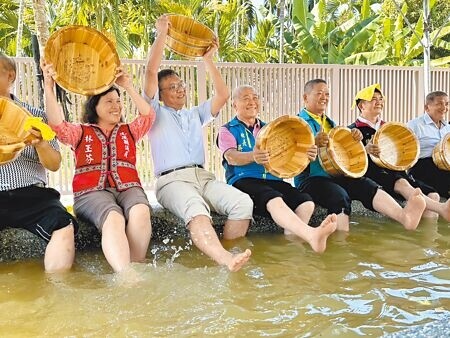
column 36, row 123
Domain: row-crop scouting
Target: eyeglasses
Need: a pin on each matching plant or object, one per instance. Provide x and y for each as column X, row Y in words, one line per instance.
column 174, row 87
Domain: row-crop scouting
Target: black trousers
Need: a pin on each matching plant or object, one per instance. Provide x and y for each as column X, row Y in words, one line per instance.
column 336, row 193
column 426, row 171
column 262, row 191
column 35, row 209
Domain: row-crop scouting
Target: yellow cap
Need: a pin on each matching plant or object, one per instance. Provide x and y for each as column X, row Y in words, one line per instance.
column 366, row 94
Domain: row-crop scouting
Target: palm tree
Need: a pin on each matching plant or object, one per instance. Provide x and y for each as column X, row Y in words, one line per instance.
column 103, row 15
column 14, row 36
column 20, row 29
column 40, row 19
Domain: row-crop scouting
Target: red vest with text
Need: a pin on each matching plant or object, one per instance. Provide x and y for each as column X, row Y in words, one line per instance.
column 100, row 160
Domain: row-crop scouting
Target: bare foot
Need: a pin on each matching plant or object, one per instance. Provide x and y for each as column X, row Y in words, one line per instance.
column 128, row 277
column 320, row 234
column 445, row 214
column 288, row 232
column 343, row 222
column 238, row 261
column 413, row 211
column 431, row 215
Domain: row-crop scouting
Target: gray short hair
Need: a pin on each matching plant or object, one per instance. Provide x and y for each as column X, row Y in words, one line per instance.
column 310, row 85
column 433, row 95
column 237, row 91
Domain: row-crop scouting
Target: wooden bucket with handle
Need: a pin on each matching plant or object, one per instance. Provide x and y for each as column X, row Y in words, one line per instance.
column 188, row 37
column 84, row 59
column 441, row 153
column 343, row 155
column 287, row 138
column 12, row 132
column 399, row 147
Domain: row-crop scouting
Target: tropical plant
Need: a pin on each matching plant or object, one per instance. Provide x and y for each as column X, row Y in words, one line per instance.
column 307, row 31
column 319, row 39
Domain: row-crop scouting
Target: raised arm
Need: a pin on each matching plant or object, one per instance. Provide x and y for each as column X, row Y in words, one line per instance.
column 155, row 57
column 53, row 110
column 124, row 81
column 50, row 158
column 221, row 92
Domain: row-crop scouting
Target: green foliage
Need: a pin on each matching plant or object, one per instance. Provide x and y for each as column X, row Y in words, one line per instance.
column 315, row 31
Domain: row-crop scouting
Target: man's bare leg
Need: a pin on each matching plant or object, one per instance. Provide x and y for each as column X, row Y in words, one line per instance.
column 235, row 228
column 60, row 251
column 287, row 219
column 205, row 239
column 409, row 216
column 434, row 207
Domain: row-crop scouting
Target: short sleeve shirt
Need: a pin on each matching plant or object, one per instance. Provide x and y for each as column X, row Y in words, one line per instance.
column 26, row 170
column 428, row 133
column 176, row 137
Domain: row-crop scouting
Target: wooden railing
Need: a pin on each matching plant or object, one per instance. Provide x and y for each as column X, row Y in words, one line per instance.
column 280, row 87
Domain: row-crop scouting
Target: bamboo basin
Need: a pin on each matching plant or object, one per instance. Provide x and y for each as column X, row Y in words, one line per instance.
column 441, row 153
column 188, row 37
column 10, row 152
column 287, row 138
column 12, row 133
column 343, row 155
column 85, row 60
column 399, row 147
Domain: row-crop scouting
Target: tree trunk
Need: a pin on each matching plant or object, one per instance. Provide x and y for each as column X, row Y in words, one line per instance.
column 40, row 19
column 281, row 16
column 19, row 29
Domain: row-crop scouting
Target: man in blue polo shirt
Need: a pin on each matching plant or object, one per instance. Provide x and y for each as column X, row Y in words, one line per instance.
column 183, row 186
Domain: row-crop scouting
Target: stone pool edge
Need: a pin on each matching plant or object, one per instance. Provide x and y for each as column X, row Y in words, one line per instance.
column 17, row 244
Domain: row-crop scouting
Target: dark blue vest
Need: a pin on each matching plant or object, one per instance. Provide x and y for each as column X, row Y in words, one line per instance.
column 245, row 143
column 314, row 168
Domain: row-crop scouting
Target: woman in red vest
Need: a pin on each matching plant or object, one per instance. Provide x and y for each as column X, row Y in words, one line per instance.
column 106, row 187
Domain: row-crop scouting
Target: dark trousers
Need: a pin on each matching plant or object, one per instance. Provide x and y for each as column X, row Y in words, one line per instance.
column 336, row 193
column 35, row 209
column 426, row 171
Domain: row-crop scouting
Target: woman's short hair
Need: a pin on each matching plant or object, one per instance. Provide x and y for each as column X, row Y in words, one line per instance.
column 90, row 106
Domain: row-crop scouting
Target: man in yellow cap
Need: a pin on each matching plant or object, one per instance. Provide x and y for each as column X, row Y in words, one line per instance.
column 370, row 103
column 336, row 193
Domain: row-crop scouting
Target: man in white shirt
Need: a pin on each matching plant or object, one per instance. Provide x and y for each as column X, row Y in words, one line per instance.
column 183, row 186
column 430, row 129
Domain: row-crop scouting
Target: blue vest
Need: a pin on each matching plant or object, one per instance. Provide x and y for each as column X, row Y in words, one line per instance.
column 245, row 143
column 314, row 168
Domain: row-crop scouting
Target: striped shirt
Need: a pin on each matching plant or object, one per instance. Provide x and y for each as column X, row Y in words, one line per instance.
column 26, row 170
